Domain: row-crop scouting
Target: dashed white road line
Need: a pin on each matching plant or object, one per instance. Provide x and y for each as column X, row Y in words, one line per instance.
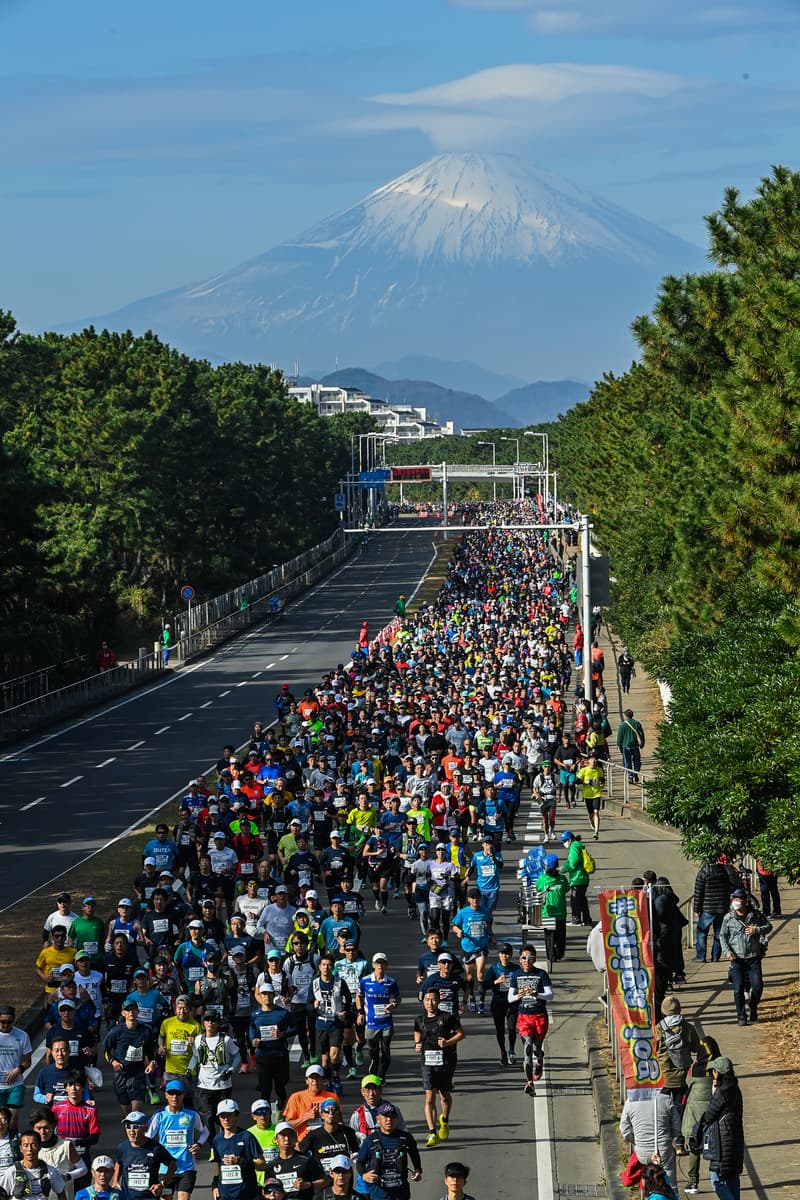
column 105, row 763
column 255, row 675
column 267, row 667
column 32, row 804
column 224, row 693
column 163, row 729
column 70, row 782
column 186, row 716
column 244, row 681
column 284, row 657
column 207, row 704
column 136, row 745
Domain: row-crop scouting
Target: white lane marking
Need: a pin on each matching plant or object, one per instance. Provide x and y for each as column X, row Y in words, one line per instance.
column 185, row 716
column 106, row 762
column 284, row 657
column 224, row 694
column 244, row 681
column 136, row 745
column 163, row 729
column 267, row 667
column 544, row 1143
column 207, row 704
column 70, row 782
column 31, row 804
column 256, row 675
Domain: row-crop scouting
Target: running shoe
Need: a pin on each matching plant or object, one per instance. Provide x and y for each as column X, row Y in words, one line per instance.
column 444, row 1130
column 432, row 1139
column 481, row 1010
column 503, row 1060
column 359, row 1055
column 529, row 1089
column 512, row 1058
column 537, row 1071
column 471, row 1005
column 351, row 1073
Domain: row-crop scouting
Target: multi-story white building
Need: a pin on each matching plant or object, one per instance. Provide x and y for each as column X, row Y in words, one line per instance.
column 405, row 421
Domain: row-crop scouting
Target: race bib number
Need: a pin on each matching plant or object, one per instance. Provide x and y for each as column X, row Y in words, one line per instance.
column 90, row 947
column 379, row 1010
column 319, row 815
column 161, row 925
column 178, row 1046
column 145, row 1016
column 269, row 1032
column 246, row 868
column 434, row 1058
column 138, row 1179
column 119, row 986
column 289, row 1181
column 194, row 973
column 487, row 871
column 175, row 1137
column 230, row 1173
column 135, row 1053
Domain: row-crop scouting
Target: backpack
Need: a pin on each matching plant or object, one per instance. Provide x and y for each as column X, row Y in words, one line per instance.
column 679, row 1053
column 587, row 862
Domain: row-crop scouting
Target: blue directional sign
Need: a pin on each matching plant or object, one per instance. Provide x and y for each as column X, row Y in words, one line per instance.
column 376, row 479
column 340, row 502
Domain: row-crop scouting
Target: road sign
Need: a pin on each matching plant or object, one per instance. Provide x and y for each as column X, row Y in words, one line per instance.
column 340, row 502
column 375, row 478
column 187, row 592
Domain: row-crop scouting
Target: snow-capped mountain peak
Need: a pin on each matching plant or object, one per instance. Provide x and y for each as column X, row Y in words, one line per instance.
column 482, row 209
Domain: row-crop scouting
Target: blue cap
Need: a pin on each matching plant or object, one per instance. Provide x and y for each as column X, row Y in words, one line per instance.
column 567, row 836
column 174, row 1085
column 550, row 861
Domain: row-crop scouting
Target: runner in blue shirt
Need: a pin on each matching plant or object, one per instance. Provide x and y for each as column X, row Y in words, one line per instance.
column 181, row 1132
column 486, row 865
column 473, row 925
column 378, row 997
column 162, row 849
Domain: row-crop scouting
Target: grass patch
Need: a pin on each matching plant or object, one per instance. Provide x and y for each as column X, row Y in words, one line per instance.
column 432, row 583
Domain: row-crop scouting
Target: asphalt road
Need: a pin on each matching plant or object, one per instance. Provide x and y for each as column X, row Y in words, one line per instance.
column 68, row 792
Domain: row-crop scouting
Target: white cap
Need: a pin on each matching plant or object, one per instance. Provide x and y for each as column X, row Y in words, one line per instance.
column 102, row 1160
column 227, row 1106
column 149, row 862
column 314, row 1070
column 379, row 957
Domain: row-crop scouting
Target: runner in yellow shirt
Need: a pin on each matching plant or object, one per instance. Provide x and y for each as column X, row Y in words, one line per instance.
column 176, row 1040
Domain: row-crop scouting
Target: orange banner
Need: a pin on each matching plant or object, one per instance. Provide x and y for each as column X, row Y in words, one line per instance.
column 628, row 946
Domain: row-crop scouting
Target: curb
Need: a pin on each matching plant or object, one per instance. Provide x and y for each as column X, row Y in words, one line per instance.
column 607, row 1124
column 630, row 812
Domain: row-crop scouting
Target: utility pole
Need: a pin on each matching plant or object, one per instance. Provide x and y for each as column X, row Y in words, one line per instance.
column 587, row 609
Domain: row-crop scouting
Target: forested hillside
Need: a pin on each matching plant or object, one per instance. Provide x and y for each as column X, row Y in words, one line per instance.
column 688, row 464
column 129, row 469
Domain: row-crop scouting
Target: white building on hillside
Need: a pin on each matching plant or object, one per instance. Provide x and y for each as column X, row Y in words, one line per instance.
column 405, row 421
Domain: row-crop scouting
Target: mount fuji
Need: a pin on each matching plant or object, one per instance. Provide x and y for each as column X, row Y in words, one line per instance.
column 466, row 256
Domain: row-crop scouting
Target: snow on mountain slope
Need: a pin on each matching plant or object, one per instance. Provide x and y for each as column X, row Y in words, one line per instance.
column 480, row 209
column 466, row 256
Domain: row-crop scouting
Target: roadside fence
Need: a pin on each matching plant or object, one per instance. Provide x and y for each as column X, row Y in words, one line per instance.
column 227, row 615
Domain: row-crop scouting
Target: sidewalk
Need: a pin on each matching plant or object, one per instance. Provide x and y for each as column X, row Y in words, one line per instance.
column 765, row 1055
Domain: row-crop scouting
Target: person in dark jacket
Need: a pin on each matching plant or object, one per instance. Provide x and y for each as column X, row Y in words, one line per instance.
column 712, row 897
column 668, row 925
column 725, row 1111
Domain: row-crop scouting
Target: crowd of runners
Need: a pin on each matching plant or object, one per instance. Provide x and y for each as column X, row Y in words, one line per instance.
column 393, row 789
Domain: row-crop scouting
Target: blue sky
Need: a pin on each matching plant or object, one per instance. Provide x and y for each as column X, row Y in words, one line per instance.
column 146, row 146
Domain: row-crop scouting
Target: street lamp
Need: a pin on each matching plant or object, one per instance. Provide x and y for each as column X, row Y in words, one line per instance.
column 494, row 464
column 516, row 461
column 545, row 457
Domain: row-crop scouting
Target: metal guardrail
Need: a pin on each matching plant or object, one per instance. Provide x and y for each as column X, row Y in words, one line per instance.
column 190, row 645
column 45, row 679
column 284, row 583
column 211, row 612
column 620, row 784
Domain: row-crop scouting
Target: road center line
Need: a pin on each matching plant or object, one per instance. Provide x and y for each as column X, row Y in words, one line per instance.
column 244, row 681
column 70, row 782
column 267, row 667
column 32, row 803
column 207, row 704
column 163, row 729
column 186, row 716
column 256, row 675
column 284, row 657
column 105, row 763
column 225, row 693
column 136, row 745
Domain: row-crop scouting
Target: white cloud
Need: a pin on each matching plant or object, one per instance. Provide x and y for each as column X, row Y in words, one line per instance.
column 675, row 18
column 547, row 83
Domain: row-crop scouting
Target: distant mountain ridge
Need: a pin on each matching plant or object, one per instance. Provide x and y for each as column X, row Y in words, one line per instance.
column 460, row 376
column 531, row 404
column 465, row 255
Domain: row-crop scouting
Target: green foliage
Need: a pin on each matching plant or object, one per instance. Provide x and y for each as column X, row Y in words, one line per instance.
column 128, row 468
column 689, row 464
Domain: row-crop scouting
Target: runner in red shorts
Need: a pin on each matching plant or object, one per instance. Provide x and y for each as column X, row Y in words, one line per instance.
column 530, row 988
